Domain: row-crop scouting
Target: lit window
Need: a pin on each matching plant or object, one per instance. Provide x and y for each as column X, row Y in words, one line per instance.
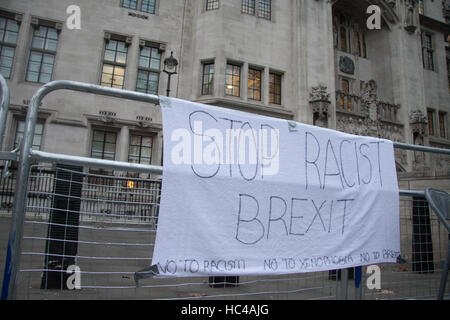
column 233, row 80
column 42, row 54
column 148, row 70
column 114, row 60
column 9, row 30
column 254, row 84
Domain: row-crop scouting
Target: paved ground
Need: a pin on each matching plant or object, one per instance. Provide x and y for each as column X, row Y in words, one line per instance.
column 119, row 283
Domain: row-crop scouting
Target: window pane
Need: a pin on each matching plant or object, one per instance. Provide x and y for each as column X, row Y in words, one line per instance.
column 121, row 57
column 32, row 76
column 111, row 137
column 44, row 78
column 108, row 69
column 39, row 128
column 98, row 135
column 111, row 45
column 144, row 61
column 10, row 37
column 51, row 45
column 147, row 141
column 37, row 43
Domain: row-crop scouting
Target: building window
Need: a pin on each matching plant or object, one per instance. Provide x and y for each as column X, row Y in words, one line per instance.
column 254, row 84
column 274, row 88
column 265, row 9
column 233, row 80
column 430, row 116
column 428, row 51
column 103, row 145
column 442, row 124
column 208, row 78
column 130, row 4
column 345, row 101
column 140, row 149
column 144, row 5
column 212, row 4
column 148, row 6
column 37, row 139
column 42, row 55
column 114, row 60
column 348, row 34
column 9, row 30
column 148, row 70
column 248, row 7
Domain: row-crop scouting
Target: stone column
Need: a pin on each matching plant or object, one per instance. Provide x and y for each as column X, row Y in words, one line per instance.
column 314, row 58
column 123, row 141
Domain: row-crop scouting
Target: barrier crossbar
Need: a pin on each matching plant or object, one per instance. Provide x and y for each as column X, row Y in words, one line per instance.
column 100, row 217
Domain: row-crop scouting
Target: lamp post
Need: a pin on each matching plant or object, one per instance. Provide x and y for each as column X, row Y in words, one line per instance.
column 170, row 67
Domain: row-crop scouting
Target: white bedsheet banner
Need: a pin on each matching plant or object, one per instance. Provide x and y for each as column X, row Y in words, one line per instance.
column 244, row 194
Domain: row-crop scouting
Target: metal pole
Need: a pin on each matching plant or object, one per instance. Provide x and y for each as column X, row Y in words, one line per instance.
column 415, row 147
column 4, row 105
column 20, row 195
column 168, row 84
column 94, row 163
column 445, row 274
column 344, row 284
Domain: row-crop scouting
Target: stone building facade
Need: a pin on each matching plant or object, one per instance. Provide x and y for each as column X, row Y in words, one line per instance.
column 312, row 61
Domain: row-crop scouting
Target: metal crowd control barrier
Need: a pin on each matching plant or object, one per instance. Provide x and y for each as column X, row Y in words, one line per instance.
column 29, row 156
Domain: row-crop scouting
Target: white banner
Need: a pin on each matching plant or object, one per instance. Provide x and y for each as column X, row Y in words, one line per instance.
column 244, row 194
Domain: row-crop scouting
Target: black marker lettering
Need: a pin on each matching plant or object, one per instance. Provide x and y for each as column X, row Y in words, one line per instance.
column 310, row 162
column 280, row 218
column 250, row 224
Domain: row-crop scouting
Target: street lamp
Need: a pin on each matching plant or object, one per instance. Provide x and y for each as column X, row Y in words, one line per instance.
column 170, row 67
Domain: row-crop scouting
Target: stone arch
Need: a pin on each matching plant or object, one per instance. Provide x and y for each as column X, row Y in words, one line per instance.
column 388, row 12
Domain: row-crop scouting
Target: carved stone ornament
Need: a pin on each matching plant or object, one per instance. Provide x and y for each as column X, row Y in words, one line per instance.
column 418, row 122
column 346, row 65
column 107, row 116
column 320, row 104
column 319, row 93
column 446, row 10
column 410, row 15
